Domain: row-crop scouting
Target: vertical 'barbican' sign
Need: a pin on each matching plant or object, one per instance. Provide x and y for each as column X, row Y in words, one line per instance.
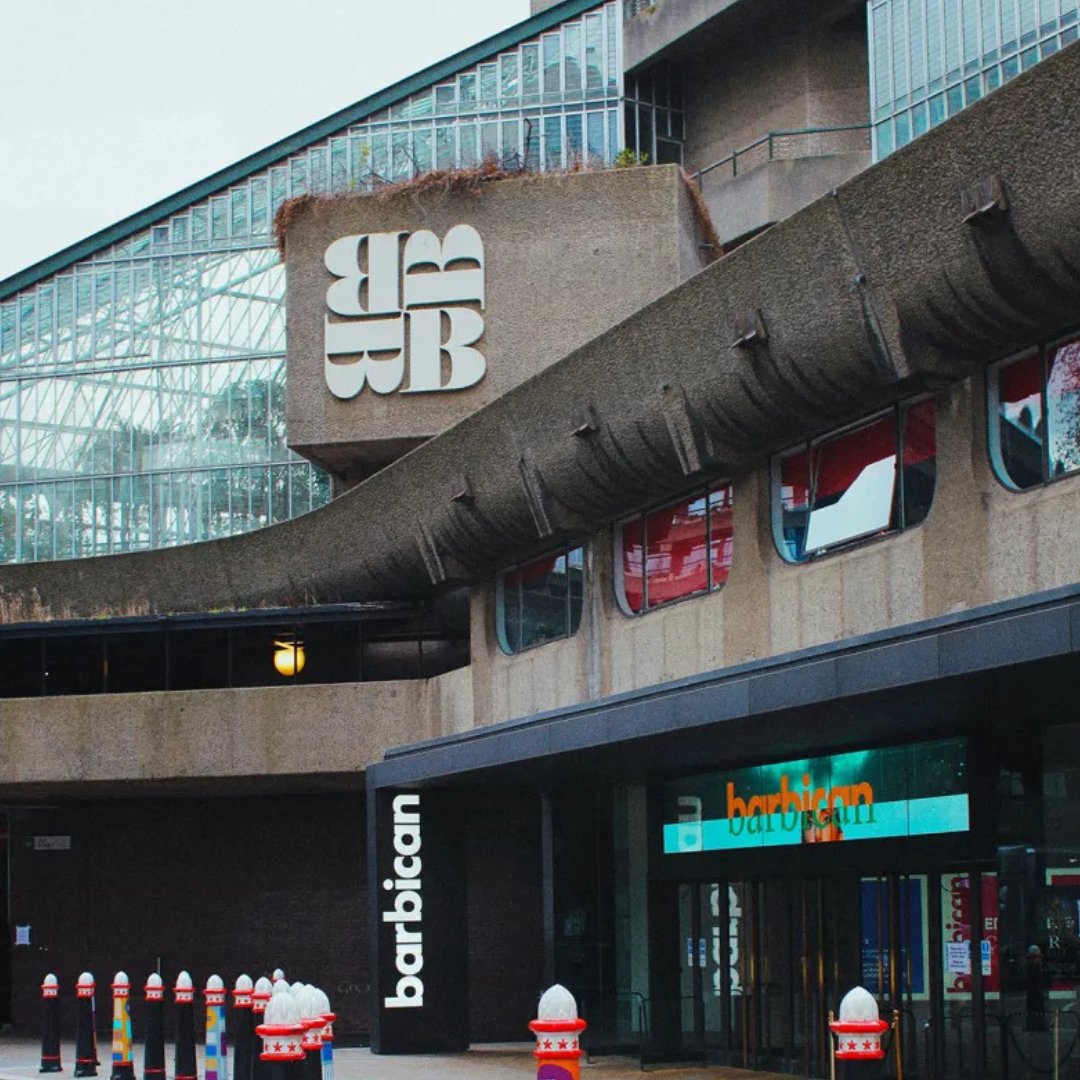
column 405, row 906
column 399, row 300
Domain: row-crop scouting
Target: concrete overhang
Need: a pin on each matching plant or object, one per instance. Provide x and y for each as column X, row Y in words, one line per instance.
column 667, row 27
column 877, row 290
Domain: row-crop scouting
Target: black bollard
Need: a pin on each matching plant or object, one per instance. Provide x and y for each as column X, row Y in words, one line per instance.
column 184, row 1061
column 85, row 1037
column 311, row 1041
column 50, row 1026
column 154, row 1050
column 245, row 1032
column 260, row 998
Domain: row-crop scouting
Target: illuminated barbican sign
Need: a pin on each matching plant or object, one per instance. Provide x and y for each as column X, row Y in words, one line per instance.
column 915, row 790
column 400, row 300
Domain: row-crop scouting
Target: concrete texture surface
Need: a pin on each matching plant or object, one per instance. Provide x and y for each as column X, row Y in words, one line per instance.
column 776, row 75
column 566, row 257
column 337, row 729
column 19, row 1059
column 868, row 295
column 774, row 190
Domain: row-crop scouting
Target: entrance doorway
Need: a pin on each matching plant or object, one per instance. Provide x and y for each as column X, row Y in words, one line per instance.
column 761, row 963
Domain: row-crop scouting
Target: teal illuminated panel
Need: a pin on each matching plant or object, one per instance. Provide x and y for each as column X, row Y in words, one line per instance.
column 916, row 790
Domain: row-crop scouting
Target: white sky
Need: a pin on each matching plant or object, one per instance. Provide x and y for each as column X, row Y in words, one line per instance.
column 107, row 106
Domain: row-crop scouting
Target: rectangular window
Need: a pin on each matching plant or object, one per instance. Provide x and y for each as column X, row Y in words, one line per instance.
column 530, row 71
column 875, row 478
column 489, row 86
column 552, row 83
column 509, row 77
column 677, row 551
column 540, row 601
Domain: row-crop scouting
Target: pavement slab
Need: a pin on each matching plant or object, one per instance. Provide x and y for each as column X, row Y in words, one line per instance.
column 20, row 1058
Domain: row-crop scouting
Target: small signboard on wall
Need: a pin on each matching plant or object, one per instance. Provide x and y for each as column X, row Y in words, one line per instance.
column 52, row 843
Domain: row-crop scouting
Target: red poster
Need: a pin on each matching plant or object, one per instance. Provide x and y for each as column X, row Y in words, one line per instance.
column 956, row 927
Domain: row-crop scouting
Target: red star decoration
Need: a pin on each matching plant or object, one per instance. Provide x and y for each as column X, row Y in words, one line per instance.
column 851, row 1045
column 573, row 1045
column 547, row 1044
column 292, row 1048
column 866, row 1045
column 277, row 1048
column 562, row 1044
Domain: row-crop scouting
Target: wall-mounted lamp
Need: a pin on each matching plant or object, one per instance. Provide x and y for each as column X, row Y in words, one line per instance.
column 289, row 658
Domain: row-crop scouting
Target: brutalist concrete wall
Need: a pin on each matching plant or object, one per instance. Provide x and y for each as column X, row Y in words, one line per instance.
column 107, row 742
column 661, row 24
column 980, row 543
column 566, row 256
column 872, row 293
column 778, row 74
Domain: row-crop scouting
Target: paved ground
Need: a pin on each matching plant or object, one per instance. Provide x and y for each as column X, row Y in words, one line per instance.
column 19, row 1060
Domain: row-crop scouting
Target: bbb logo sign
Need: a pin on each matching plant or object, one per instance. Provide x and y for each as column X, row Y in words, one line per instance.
column 397, row 295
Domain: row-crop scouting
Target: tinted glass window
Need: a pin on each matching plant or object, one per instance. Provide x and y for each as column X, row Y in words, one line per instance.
column 874, row 478
column 1018, row 429
column 677, row 551
column 541, row 600
column 1035, row 415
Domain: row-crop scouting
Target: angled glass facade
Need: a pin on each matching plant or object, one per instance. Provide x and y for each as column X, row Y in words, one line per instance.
column 142, row 390
column 931, row 58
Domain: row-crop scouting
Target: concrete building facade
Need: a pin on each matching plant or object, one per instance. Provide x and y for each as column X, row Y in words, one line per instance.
column 694, row 619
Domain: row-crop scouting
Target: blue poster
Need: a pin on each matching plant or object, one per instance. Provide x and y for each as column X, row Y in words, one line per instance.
column 913, row 936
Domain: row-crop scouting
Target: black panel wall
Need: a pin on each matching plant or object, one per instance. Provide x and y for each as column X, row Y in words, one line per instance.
column 223, row 885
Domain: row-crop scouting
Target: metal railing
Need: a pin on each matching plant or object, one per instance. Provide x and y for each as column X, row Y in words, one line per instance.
column 787, row 145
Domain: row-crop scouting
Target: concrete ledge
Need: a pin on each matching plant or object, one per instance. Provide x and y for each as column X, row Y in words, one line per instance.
column 76, row 745
column 774, row 190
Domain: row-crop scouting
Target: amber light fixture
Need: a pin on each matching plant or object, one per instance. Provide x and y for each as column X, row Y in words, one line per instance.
column 289, row 658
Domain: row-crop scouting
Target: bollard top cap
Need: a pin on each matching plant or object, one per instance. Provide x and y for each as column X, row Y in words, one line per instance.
column 557, row 1003
column 280, row 987
column 50, row 980
column 121, row 979
column 153, row 981
column 86, row 979
column 322, row 1002
column 307, row 1001
column 262, row 986
column 243, row 983
column 283, row 1009
column 858, row 1004
column 215, row 983
column 295, row 988
column 183, row 981
column 278, row 974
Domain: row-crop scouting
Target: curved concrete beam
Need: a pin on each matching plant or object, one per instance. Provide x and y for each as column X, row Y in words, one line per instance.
column 872, row 292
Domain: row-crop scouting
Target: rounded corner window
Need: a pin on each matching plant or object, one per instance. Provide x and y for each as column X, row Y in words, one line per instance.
column 677, row 551
column 540, row 601
column 869, row 479
column 1033, row 415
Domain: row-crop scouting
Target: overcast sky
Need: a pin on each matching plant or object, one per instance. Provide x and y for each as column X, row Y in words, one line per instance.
column 107, row 106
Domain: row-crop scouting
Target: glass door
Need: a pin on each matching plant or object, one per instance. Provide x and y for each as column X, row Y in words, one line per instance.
column 761, row 964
